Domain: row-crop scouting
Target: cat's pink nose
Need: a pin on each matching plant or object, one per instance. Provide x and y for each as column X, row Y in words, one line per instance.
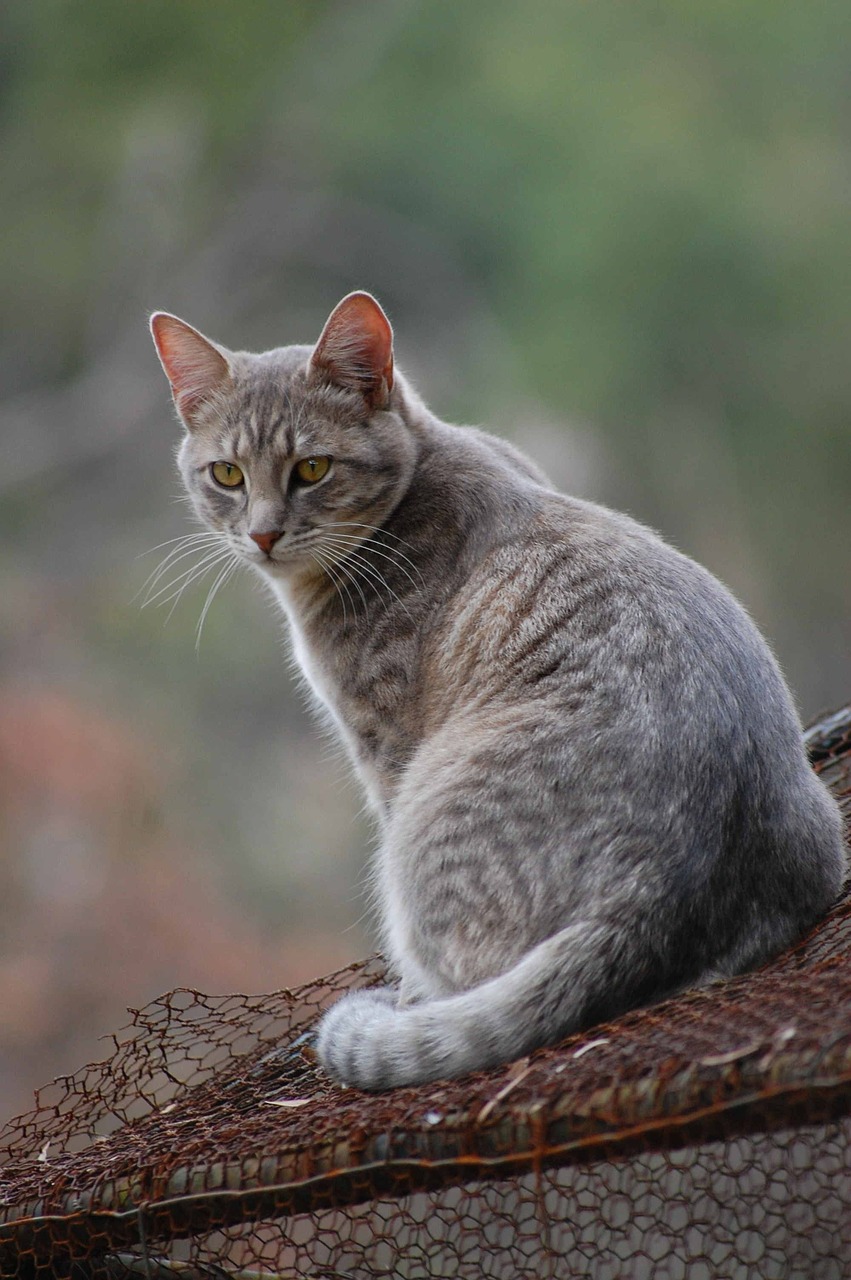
column 266, row 541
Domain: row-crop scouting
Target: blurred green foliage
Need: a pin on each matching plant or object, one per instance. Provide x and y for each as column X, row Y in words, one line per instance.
column 654, row 196
column 74, row 78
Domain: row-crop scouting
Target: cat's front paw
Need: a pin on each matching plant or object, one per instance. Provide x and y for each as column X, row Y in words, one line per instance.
column 351, row 1037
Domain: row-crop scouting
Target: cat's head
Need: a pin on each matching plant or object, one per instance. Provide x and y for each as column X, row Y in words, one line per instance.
column 290, row 453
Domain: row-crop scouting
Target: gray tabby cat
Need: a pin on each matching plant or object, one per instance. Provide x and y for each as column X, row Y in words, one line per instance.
column 587, row 769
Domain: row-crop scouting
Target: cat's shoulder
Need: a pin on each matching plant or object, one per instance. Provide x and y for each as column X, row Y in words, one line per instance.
column 479, row 453
column 517, row 462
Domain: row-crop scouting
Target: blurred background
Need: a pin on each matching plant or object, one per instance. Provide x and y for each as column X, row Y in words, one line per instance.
column 617, row 233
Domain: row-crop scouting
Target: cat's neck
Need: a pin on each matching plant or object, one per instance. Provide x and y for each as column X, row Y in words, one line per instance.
column 362, row 633
column 450, row 512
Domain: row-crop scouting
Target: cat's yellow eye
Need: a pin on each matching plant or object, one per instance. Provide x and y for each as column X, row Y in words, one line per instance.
column 309, row 470
column 228, row 474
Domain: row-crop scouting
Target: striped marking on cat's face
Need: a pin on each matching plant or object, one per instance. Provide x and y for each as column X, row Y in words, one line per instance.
column 289, row 469
column 297, row 455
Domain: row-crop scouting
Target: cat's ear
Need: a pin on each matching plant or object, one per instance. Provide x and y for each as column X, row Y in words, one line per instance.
column 194, row 366
column 355, row 349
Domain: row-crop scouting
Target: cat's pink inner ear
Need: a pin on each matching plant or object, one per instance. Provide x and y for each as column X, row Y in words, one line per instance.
column 355, row 349
column 193, row 365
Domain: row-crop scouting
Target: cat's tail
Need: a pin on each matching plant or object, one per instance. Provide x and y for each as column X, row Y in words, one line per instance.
column 368, row 1041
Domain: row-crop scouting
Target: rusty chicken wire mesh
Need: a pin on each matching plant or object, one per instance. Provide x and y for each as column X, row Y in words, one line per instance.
column 705, row 1137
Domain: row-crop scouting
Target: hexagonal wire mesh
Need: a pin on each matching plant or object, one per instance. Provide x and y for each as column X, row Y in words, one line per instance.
column 704, row 1137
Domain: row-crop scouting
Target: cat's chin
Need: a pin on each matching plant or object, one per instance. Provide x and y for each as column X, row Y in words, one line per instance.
column 281, row 558
column 272, row 567
column 290, row 570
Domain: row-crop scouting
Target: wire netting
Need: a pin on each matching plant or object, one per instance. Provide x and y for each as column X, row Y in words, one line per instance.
column 704, row 1137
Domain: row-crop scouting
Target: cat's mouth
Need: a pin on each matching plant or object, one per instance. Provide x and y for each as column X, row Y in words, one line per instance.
column 286, row 551
column 278, row 556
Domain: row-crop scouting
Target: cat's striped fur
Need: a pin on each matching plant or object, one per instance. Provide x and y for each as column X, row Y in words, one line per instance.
column 587, row 768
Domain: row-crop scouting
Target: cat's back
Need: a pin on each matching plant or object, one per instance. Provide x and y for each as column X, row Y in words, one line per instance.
column 621, row 685
column 565, row 597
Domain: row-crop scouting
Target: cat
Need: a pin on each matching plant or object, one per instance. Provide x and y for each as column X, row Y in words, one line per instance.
column 588, row 774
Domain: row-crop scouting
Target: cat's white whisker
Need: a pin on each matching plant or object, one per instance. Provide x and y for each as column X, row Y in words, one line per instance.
column 208, row 558
column 391, row 554
column 183, row 537
column 326, row 569
column 178, row 584
column 209, row 568
column 354, row 557
column 334, row 565
column 187, row 545
column 232, row 564
column 300, row 416
column 375, row 528
column 341, row 567
column 150, row 587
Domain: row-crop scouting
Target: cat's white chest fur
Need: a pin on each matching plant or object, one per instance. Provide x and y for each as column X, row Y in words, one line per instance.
column 325, row 699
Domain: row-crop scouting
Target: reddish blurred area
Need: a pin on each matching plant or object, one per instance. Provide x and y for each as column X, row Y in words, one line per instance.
column 102, row 906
